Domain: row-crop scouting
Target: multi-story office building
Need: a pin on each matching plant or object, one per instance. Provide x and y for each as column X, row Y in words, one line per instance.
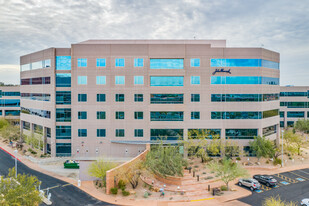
column 111, row 97
column 10, row 102
column 294, row 104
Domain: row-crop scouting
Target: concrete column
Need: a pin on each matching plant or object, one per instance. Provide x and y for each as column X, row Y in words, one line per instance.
column 44, row 137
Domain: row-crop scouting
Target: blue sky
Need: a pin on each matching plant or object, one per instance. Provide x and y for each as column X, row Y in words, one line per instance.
column 279, row 25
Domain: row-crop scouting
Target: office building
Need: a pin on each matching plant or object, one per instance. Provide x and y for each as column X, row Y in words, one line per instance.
column 10, row 103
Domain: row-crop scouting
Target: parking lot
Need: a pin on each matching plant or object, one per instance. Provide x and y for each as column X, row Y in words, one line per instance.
column 292, row 186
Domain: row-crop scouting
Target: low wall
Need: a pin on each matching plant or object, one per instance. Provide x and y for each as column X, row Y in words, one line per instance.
column 169, row 180
column 110, row 174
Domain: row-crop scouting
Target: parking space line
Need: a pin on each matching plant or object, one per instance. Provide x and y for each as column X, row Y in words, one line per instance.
column 286, row 178
column 265, row 188
column 303, row 172
column 306, row 178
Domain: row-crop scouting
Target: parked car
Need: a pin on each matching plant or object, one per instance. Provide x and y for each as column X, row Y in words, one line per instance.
column 72, row 164
column 266, row 179
column 305, row 202
column 251, row 183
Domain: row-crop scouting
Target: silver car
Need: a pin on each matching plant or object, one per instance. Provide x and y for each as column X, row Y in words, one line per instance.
column 251, row 183
column 305, row 202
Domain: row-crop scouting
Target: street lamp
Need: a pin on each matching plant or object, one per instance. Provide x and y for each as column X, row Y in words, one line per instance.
column 15, row 151
column 282, row 148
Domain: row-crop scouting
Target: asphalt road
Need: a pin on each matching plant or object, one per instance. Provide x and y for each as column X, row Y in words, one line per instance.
column 61, row 193
column 295, row 190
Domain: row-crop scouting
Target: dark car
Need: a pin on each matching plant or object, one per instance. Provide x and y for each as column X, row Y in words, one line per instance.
column 266, row 180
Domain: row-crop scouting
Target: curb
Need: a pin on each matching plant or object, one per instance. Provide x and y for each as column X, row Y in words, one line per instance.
column 10, row 154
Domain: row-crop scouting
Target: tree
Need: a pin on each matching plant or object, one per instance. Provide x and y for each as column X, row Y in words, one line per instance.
column 293, row 141
column 228, row 170
column 99, row 168
column 232, row 149
column 262, row 147
column 131, row 174
column 302, row 125
column 22, row 190
column 276, row 201
column 10, row 132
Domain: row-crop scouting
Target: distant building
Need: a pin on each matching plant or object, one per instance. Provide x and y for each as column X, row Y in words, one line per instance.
column 10, row 102
column 111, row 97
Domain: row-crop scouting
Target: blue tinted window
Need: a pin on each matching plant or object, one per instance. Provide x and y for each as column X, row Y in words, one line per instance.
column 119, row 79
column 82, row 132
column 166, row 98
column 270, row 80
column 138, row 97
column 82, row 97
column 101, row 98
column 119, row 62
column 138, row 62
column 12, row 112
column 235, row 62
column 195, row 115
column 281, row 123
column 101, row 115
column 63, row 97
column 101, row 132
column 195, row 62
column 63, row 115
column 138, row 132
column 119, row 97
column 47, row 63
column 295, row 114
column 293, row 94
column 82, row 80
column 36, row 112
column 138, row 79
column 119, row 115
column 244, row 80
column 270, row 64
column 81, row 62
column 290, row 123
column 63, row 62
column 195, row 80
column 119, row 133
column 138, row 115
column 63, row 149
column 63, row 80
column 63, row 132
column 236, row 115
column 166, row 63
column 16, row 94
column 166, row 81
column 101, row 62
column 166, row 116
column 82, row 115
column 35, row 96
column 269, row 130
column 9, row 103
column 281, row 114
column 166, row 134
column 0, row 112
column 101, row 80
column 206, row 133
column 241, row 133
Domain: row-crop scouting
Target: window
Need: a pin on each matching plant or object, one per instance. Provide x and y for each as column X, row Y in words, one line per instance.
column 281, row 114
column 9, row 94
column 166, row 134
column 270, row 113
column 82, row 80
column 63, row 149
column 101, row 62
column 63, row 132
column 82, row 97
column 101, row 98
column 63, row 115
column 269, row 130
column 205, row 133
column 244, row 80
column 119, row 80
column 63, row 80
column 295, row 114
column 195, row 62
column 138, row 62
column 63, row 97
column 63, row 62
column 293, row 94
column 82, row 132
column 166, row 63
column 243, row 63
column 101, row 115
column 35, row 112
column 101, row 132
column 166, row 98
column 35, row 81
column 119, row 132
column 119, row 115
column 82, row 115
column 195, row 97
column 290, row 123
column 138, row 133
column 241, row 133
column 0, row 112
column 195, row 80
column 101, row 80
column 166, row 116
column 195, row 115
column 236, row 115
column 294, row 104
column 38, row 129
column 26, row 125
column 81, row 62
column 9, row 102
column 281, row 123
column 119, row 62
column 15, row 113
column 47, row 63
column 166, row 81
column 138, row 80
column 138, row 115
column 119, row 97
column 138, row 97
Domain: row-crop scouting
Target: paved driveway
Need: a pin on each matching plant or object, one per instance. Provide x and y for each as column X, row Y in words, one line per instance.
column 292, row 186
column 62, row 193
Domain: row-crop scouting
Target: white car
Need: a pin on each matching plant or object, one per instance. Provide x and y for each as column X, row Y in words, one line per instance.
column 305, row 202
column 251, row 183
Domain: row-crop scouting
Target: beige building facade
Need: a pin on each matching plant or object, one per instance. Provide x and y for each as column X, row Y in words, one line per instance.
column 112, row 97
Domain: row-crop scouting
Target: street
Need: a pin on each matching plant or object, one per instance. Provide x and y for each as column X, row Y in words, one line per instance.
column 292, row 186
column 62, row 193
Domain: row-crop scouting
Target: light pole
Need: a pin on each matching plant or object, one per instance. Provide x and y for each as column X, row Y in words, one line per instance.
column 15, row 151
column 282, row 148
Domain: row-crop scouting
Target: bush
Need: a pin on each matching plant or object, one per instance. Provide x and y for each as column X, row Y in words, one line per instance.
column 146, row 194
column 223, row 188
column 121, row 185
column 196, row 166
column 125, row 193
column 32, row 151
column 114, row 190
column 238, row 158
column 277, row 161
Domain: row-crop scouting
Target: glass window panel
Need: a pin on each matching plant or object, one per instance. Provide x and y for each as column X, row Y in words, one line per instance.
column 37, row 65
column 9, row 102
column 138, row 97
column 195, row 80
column 138, row 115
column 101, row 62
column 270, row 113
column 119, row 62
column 25, row 67
column 281, row 123
column 82, row 115
column 236, row 115
column 11, row 112
column 101, row 115
column 26, row 125
column 241, row 133
column 63, row 62
column 47, row 63
column 35, row 112
column 63, row 115
column 166, row 134
column 195, row 62
column 119, row 80
column 119, row 115
column 290, row 123
column 139, row 80
column 82, row 80
column 101, row 132
column 138, row 132
column 235, row 62
column 166, row 116
column 166, row 81
column 101, row 98
column 82, row 132
column 195, row 115
column 295, row 114
column 166, row 98
column 205, row 133
column 63, row 80
column 101, row 80
column 63, row 132
column 166, row 63
column 195, row 97
column 138, row 62
column 269, row 130
column 120, row 133
column 82, row 97
column 281, row 114
column 63, row 149
column 270, row 80
column 293, row 94
column 63, row 97
column 270, row 64
column 81, row 62
column 119, row 97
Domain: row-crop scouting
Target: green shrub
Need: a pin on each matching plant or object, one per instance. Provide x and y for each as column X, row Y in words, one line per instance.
column 121, row 185
column 267, row 162
column 114, row 190
column 208, row 177
column 238, row 158
column 146, row 194
column 32, row 151
column 196, row 166
column 204, row 173
column 277, row 161
column 125, row 193
column 223, row 188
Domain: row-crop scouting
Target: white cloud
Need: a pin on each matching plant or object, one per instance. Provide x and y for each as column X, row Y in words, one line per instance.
column 9, row 73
